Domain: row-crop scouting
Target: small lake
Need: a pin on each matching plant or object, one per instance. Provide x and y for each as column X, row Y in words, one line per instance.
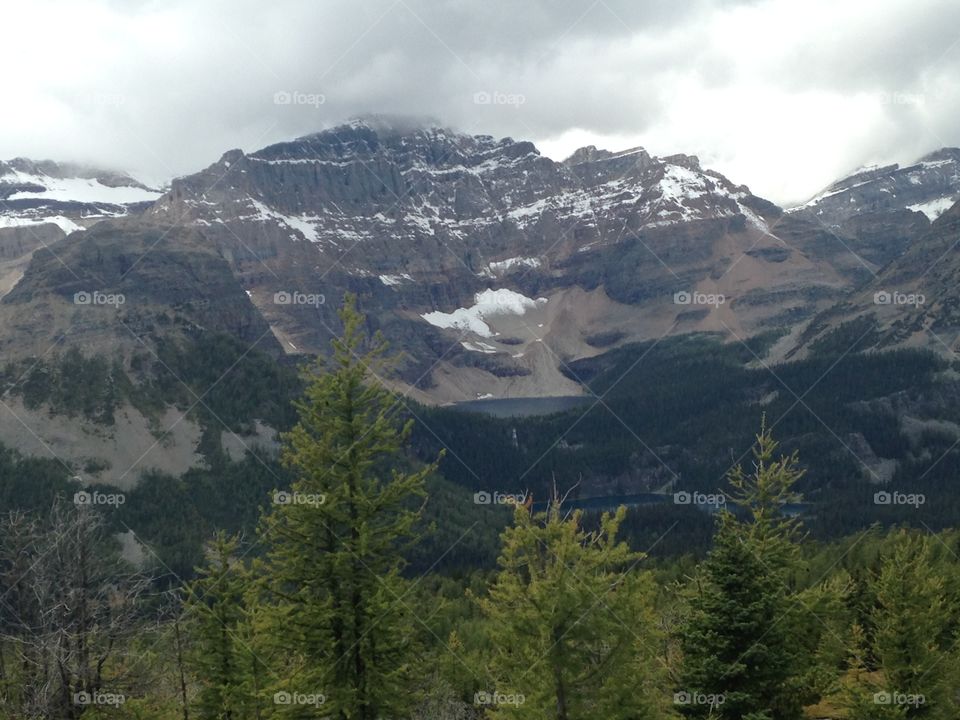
column 523, row 406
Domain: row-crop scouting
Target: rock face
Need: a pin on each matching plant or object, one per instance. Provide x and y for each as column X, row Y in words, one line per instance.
column 41, row 202
column 881, row 208
column 912, row 301
column 421, row 220
column 490, row 266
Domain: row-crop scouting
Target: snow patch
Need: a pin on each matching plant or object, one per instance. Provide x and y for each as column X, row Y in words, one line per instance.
column 487, row 304
column 501, row 266
column 85, row 190
column 395, row 279
column 64, row 223
column 933, row 208
column 304, row 224
column 481, row 347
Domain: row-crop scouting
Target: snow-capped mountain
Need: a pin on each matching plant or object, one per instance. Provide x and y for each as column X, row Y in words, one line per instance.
column 41, row 202
column 422, row 220
column 929, row 186
column 489, row 265
column 69, row 196
column 884, row 207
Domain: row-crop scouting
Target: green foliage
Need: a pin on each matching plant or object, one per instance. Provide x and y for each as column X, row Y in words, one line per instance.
column 743, row 656
column 335, row 549
column 72, row 384
column 571, row 625
column 904, row 664
column 227, row 668
column 687, row 408
column 229, row 382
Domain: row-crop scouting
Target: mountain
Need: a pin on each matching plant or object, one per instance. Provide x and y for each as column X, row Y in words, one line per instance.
column 911, row 302
column 883, row 208
column 428, row 226
column 492, row 269
column 42, row 201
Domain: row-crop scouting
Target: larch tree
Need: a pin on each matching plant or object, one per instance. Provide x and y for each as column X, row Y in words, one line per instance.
column 571, row 623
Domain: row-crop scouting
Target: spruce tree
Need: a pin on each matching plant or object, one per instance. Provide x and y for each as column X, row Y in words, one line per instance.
column 344, row 627
column 221, row 658
column 571, row 623
column 742, row 641
column 910, row 644
column 734, row 641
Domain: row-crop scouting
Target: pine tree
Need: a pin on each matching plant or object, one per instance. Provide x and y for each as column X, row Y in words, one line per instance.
column 221, row 659
column 571, row 623
column 345, row 627
column 862, row 690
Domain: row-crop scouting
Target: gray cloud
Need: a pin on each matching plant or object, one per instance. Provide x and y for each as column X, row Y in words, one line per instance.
column 780, row 95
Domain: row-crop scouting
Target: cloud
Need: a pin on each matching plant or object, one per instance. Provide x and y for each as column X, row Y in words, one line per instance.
column 780, row 95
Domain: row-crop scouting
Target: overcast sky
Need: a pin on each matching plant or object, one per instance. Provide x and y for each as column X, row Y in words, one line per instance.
column 782, row 95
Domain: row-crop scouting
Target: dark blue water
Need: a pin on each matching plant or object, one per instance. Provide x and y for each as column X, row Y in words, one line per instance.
column 523, row 406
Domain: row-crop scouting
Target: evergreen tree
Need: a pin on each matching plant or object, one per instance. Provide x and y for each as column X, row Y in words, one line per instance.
column 571, row 624
column 762, row 495
column 915, row 671
column 734, row 640
column 344, row 626
column 221, row 658
column 743, row 642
